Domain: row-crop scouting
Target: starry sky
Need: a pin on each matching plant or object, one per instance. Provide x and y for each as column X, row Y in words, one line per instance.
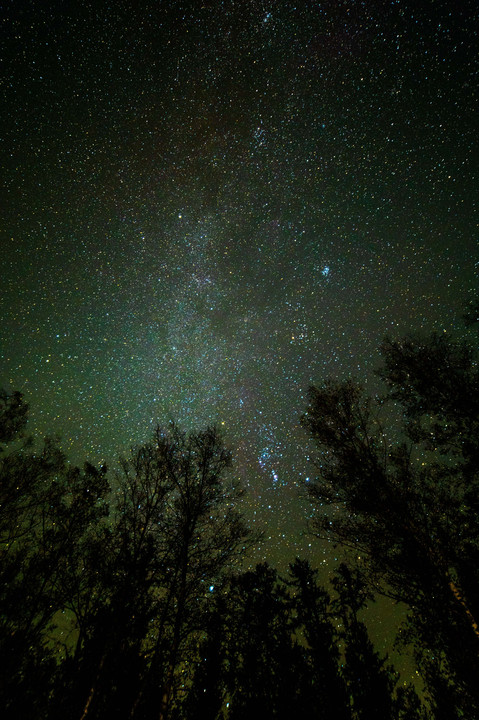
column 207, row 206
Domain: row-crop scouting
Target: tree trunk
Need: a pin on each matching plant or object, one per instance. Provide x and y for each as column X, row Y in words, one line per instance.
column 93, row 688
column 459, row 597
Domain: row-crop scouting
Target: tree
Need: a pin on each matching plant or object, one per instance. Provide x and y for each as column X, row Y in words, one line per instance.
column 371, row 683
column 47, row 508
column 175, row 528
column 315, row 618
column 267, row 671
column 408, row 503
column 206, row 535
column 13, row 415
column 206, row 696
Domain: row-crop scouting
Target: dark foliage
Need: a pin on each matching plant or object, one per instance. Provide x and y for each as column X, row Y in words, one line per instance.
column 103, row 604
column 406, row 499
column 13, row 415
column 129, row 603
column 315, row 618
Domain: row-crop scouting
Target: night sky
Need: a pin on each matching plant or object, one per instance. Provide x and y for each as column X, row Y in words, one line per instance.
column 208, row 206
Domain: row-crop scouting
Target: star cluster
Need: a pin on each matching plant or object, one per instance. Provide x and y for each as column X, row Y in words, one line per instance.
column 207, row 207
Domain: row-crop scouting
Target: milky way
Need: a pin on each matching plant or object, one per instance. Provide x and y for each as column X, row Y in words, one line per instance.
column 207, row 207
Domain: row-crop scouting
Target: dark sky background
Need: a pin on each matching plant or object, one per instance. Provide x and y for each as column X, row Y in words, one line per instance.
column 208, row 206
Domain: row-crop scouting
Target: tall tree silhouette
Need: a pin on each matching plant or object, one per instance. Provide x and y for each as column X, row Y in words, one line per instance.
column 314, row 616
column 206, row 697
column 268, row 674
column 175, row 529
column 409, row 504
column 47, row 507
column 369, row 680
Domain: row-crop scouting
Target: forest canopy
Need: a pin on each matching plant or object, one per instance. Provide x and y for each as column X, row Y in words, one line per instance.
column 136, row 593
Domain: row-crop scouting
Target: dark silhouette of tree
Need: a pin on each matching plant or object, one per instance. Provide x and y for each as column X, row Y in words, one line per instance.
column 408, row 504
column 128, row 603
column 206, row 697
column 129, row 564
column 371, row 683
column 47, row 507
column 267, row 670
column 314, row 616
column 175, row 528
column 278, row 648
column 13, row 415
column 206, row 535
